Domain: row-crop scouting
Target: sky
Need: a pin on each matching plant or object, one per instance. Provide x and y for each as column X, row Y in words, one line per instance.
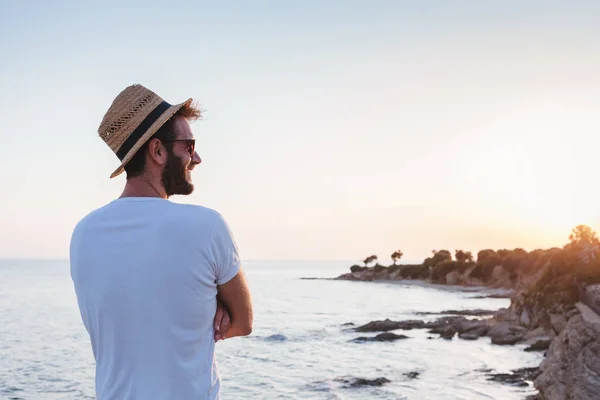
column 331, row 131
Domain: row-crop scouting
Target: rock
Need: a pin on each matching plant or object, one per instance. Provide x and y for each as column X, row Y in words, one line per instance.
column 447, row 332
column 536, row 396
column 464, row 325
column 459, row 323
column 412, row 374
column 370, row 382
column 382, row 337
column 574, row 311
column 558, row 322
column 505, row 333
column 505, row 294
column 517, row 377
column 528, row 373
column 356, row 382
column 475, row 313
column 571, row 369
column 590, row 296
column 379, row 326
column 500, row 277
column 540, row 345
column 539, row 333
column 378, row 268
column 524, row 319
column 362, row 275
column 588, row 315
column 276, row 338
column 510, row 379
column 389, row 325
column 357, row 268
column 453, row 278
column 475, row 333
column 507, row 315
column 501, row 333
column 368, row 275
column 394, row 275
column 348, row 324
column 394, row 269
column 509, row 339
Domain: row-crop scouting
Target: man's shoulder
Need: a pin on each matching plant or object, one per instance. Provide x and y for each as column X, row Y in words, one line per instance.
column 179, row 213
column 195, row 211
column 194, row 216
column 89, row 218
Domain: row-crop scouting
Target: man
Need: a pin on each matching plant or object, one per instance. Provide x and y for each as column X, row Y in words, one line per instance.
column 149, row 273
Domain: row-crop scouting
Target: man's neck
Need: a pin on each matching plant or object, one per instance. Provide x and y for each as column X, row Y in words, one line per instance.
column 141, row 186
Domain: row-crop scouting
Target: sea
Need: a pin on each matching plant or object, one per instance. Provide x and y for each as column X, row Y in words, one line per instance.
column 301, row 347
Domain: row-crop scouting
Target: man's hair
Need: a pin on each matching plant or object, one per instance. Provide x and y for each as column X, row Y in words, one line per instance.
column 137, row 164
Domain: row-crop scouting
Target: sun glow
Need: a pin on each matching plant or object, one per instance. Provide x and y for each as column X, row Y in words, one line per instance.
column 538, row 170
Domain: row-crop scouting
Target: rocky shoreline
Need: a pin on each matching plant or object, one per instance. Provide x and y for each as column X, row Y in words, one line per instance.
column 571, row 345
column 555, row 309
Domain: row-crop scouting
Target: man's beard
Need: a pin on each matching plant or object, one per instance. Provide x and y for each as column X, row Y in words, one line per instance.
column 174, row 178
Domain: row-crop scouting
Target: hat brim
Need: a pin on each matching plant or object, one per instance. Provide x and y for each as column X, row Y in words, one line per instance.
column 169, row 112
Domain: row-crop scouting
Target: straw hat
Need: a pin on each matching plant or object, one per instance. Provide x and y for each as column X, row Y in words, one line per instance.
column 133, row 117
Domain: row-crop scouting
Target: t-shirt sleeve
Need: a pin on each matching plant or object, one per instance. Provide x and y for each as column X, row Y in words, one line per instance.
column 225, row 253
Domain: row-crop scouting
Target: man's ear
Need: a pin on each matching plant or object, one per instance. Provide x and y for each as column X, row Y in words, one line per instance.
column 157, row 152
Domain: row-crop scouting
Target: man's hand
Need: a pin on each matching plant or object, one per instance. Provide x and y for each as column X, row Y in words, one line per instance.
column 222, row 322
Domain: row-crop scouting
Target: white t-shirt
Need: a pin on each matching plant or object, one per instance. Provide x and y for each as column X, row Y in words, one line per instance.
column 145, row 272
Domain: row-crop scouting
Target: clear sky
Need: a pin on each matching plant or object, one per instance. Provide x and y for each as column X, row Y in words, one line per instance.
column 332, row 129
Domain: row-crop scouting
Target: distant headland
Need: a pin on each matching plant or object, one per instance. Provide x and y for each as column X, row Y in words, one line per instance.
column 555, row 305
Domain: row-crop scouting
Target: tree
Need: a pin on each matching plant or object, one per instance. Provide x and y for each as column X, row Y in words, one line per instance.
column 463, row 257
column 370, row 259
column 374, row 258
column 503, row 253
column 583, row 234
column 438, row 257
column 397, row 255
column 584, row 245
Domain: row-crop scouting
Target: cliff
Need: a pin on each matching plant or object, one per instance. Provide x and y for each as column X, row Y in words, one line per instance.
column 571, row 369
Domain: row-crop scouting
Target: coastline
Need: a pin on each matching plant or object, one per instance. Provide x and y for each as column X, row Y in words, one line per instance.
column 503, row 292
column 554, row 307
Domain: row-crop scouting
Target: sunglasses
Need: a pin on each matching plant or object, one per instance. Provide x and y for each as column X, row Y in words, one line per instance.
column 191, row 144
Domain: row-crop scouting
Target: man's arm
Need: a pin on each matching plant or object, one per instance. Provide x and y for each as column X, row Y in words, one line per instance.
column 222, row 322
column 235, row 295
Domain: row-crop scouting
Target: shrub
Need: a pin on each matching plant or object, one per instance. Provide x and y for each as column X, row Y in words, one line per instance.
column 416, row 271
column 439, row 272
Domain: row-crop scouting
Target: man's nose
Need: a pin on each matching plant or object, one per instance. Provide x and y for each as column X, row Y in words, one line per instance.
column 196, row 159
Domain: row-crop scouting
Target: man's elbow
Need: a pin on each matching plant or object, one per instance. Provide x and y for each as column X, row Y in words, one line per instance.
column 247, row 326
